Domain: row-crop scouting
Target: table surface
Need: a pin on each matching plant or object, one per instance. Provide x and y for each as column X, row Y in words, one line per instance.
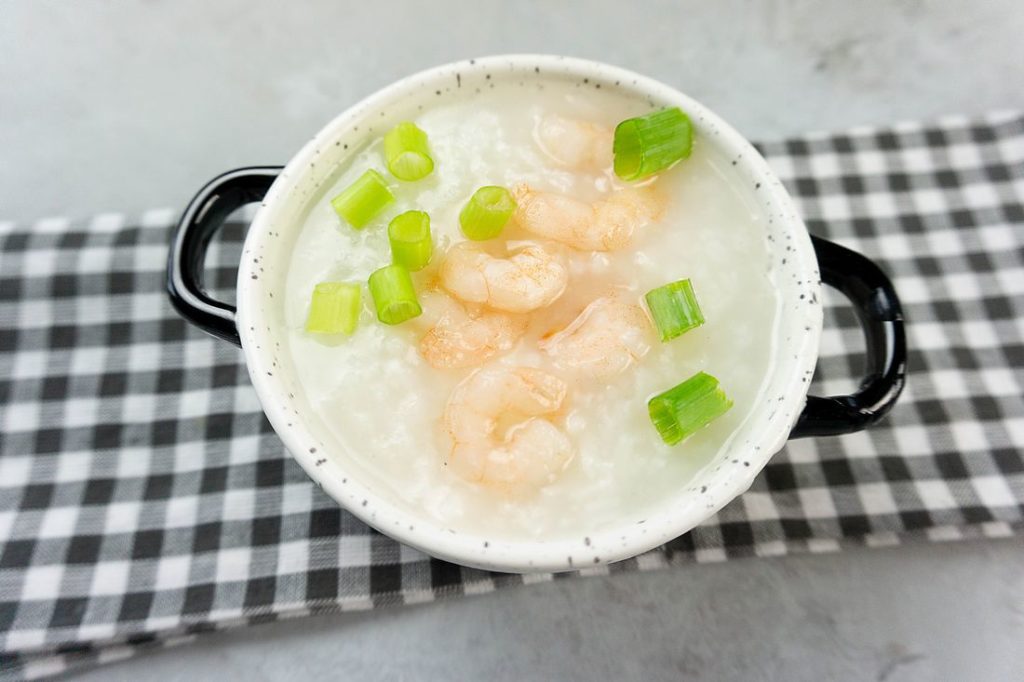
column 129, row 106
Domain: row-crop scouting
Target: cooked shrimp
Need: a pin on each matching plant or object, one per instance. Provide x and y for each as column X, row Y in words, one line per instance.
column 606, row 338
column 531, row 278
column 531, row 453
column 460, row 338
column 575, row 143
column 605, row 225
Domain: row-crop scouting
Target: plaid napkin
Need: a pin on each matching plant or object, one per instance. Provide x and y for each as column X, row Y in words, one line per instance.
column 145, row 499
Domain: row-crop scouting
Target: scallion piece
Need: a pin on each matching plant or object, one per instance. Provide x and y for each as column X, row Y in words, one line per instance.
column 409, row 234
column 394, row 296
column 487, row 212
column 683, row 410
column 334, row 308
column 649, row 144
column 674, row 309
column 363, row 199
column 406, row 153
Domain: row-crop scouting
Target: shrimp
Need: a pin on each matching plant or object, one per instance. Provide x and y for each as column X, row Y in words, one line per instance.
column 606, row 338
column 528, row 455
column 531, row 278
column 459, row 338
column 575, row 143
column 605, row 225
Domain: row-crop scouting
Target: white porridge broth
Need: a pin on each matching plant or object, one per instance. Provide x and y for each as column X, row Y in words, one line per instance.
column 383, row 403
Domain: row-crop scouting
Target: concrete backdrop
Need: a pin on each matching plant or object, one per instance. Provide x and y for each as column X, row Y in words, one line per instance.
column 125, row 106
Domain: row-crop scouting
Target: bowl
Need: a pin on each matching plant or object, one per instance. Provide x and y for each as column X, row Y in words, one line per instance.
column 800, row 264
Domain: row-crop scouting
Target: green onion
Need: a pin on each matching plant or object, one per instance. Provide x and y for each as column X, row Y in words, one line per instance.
column 681, row 411
column 335, row 308
column 409, row 234
column 394, row 296
column 363, row 199
column 674, row 309
column 486, row 213
column 406, row 153
column 649, row 144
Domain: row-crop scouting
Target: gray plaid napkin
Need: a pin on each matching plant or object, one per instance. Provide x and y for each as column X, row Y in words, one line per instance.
column 144, row 498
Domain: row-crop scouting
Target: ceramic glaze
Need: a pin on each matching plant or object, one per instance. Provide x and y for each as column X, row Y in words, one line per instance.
column 690, row 483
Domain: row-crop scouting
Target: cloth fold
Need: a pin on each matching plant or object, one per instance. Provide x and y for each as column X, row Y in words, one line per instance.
column 145, row 499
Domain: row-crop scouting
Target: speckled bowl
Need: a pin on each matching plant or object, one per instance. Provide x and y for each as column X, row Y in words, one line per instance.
column 800, row 262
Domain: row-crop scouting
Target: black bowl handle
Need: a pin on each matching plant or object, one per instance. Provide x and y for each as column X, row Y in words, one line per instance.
column 205, row 214
column 881, row 320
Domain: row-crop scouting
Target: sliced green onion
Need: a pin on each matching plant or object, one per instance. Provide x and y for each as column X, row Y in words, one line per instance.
column 674, row 309
column 486, row 213
column 363, row 199
column 394, row 296
column 406, row 153
column 409, row 234
column 335, row 308
column 649, row 144
column 681, row 411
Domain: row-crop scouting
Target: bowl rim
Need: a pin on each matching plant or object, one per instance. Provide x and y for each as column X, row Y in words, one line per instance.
column 607, row 545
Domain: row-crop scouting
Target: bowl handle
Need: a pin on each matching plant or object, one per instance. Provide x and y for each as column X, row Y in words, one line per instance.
column 206, row 213
column 881, row 319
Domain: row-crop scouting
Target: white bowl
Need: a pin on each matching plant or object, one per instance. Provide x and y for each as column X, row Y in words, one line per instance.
column 261, row 328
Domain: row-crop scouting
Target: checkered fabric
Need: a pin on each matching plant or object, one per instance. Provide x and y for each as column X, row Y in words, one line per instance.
column 145, row 499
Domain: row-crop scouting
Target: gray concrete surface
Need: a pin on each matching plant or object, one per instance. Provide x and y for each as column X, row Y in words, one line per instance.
column 133, row 105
